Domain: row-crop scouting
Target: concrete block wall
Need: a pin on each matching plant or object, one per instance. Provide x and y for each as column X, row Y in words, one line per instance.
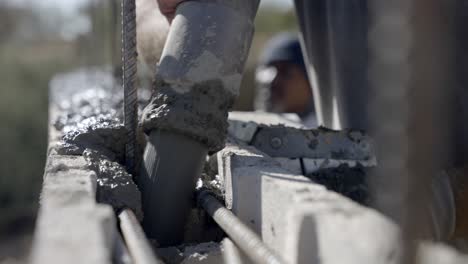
column 71, row 226
column 301, row 220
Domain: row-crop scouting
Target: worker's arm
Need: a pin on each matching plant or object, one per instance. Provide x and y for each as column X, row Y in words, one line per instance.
column 168, row 8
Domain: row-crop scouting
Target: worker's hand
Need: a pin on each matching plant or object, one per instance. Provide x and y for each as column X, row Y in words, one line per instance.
column 168, row 8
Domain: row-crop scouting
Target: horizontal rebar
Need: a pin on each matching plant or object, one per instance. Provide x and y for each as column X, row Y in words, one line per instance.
column 137, row 243
column 121, row 254
column 241, row 235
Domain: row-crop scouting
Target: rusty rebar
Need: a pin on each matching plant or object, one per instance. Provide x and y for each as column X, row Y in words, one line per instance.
column 241, row 235
column 129, row 68
column 138, row 245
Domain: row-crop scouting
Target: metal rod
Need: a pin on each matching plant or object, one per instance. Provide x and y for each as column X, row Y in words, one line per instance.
column 137, row 243
column 129, row 68
column 121, row 254
column 232, row 254
column 241, row 235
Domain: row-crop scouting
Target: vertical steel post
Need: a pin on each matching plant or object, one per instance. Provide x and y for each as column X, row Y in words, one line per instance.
column 390, row 45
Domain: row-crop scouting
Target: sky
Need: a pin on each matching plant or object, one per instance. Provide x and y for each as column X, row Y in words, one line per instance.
column 77, row 23
column 286, row 4
column 72, row 5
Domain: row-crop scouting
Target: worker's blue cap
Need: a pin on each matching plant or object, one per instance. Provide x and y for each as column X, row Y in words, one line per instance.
column 283, row 47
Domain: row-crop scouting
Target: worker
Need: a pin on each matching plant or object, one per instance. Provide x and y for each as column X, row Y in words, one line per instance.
column 282, row 83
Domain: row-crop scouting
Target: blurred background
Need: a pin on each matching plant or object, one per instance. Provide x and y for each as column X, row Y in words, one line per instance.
column 39, row 39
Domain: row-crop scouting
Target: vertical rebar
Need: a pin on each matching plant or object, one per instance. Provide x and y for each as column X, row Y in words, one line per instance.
column 129, row 68
column 115, row 34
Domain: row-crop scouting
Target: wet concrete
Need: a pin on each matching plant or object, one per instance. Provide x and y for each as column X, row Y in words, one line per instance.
column 89, row 122
column 200, row 114
column 200, row 227
column 202, row 253
column 115, row 185
column 105, row 136
column 89, row 119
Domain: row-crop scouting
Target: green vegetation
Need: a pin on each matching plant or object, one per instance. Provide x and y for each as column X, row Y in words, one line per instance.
column 25, row 71
column 30, row 55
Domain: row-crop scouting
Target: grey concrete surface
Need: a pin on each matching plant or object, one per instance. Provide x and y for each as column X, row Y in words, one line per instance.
column 115, row 184
column 74, row 234
column 203, row 253
column 71, row 226
column 300, row 219
column 277, row 205
column 70, row 222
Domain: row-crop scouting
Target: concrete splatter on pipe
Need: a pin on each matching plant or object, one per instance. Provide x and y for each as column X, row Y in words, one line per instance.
column 196, row 85
column 200, row 71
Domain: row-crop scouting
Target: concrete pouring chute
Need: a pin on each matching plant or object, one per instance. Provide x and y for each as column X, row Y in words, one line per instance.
column 196, row 85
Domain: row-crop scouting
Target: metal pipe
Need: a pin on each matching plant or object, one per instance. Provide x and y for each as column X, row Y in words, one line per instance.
column 243, row 237
column 196, row 84
column 334, row 38
column 232, row 254
column 137, row 243
column 121, row 254
column 172, row 163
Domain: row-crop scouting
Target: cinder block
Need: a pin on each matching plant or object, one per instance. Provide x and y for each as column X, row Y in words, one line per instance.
column 64, row 187
column 57, row 163
column 71, row 227
column 74, row 234
column 333, row 230
column 280, row 206
column 292, row 165
column 241, row 172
